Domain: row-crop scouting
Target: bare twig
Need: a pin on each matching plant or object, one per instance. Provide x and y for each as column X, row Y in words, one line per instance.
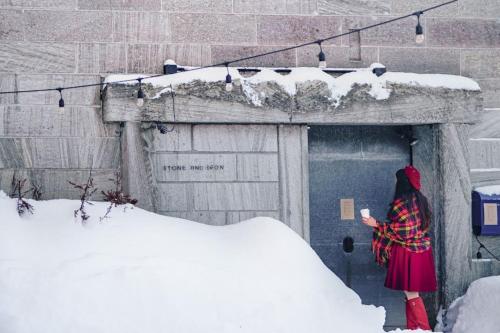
column 87, row 190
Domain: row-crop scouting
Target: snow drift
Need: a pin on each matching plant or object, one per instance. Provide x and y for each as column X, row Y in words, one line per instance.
column 142, row 272
column 476, row 311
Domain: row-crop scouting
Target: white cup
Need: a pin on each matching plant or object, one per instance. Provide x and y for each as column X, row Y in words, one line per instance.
column 365, row 212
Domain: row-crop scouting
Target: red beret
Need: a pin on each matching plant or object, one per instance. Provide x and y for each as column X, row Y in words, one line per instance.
column 413, row 176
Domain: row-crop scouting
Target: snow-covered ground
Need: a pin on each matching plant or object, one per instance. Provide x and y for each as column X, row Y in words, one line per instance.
column 476, row 311
column 142, row 272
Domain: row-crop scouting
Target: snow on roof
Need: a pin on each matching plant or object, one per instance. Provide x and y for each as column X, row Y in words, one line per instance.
column 489, row 190
column 339, row 86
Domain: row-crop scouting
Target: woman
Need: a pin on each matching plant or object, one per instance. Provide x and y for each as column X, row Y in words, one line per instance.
column 403, row 244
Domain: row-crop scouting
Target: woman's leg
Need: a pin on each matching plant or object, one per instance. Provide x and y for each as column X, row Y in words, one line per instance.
column 411, row 294
column 416, row 315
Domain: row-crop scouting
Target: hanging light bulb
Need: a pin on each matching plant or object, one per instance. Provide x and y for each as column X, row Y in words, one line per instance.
column 321, row 57
column 229, row 80
column 61, row 100
column 419, row 31
column 140, row 94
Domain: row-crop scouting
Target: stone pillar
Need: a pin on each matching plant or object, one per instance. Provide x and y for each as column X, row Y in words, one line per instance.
column 455, row 196
column 136, row 172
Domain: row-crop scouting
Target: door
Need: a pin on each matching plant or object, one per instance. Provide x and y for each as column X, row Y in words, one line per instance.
column 354, row 167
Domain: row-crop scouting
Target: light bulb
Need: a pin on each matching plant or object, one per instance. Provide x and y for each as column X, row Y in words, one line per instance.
column 140, row 102
column 419, row 39
column 61, row 105
column 322, row 59
column 229, row 83
column 140, row 97
column 61, row 100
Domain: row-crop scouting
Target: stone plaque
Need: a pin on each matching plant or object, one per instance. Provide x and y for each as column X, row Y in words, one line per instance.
column 347, row 209
column 195, row 167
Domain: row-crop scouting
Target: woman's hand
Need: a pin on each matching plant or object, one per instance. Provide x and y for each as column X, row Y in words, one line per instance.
column 369, row 221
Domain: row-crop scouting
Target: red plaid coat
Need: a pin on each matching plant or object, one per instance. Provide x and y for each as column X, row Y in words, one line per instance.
column 404, row 227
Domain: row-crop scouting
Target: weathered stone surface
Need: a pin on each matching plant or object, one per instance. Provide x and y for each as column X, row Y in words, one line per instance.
column 48, row 121
column 408, row 7
column 177, row 140
column 488, row 126
column 217, row 28
column 55, row 4
column 485, row 153
column 67, row 153
column 337, row 56
column 235, row 217
column 194, row 167
column 490, row 89
column 257, row 167
column 37, row 57
column 485, row 177
column 149, row 58
column 189, row 54
column 66, row 26
column 83, row 96
column 423, row 60
column 479, row 9
column 279, row 29
column 455, row 211
column 236, row 196
column 8, row 83
column 176, row 197
column 146, row 58
column 481, row 64
column 11, row 25
column 294, row 188
column 137, row 174
column 237, row 138
column 203, row 102
column 210, row 218
column 394, row 34
column 198, row 6
column 221, row 53
column 275, row 6
column 135, row 5
column 102, row 58
column 54, row 183
column 142, row 27
column 462, row 32
column 356, row 7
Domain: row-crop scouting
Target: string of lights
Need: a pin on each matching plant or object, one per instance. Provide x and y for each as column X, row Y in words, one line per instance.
column 419, row 31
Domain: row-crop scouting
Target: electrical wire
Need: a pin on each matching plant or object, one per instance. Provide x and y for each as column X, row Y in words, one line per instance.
column 482, row 246
column 226, row 63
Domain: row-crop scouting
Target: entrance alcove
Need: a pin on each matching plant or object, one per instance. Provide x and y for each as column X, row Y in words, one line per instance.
column 234, row 155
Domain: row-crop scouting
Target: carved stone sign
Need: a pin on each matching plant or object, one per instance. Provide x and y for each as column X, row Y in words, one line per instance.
column 195, row 167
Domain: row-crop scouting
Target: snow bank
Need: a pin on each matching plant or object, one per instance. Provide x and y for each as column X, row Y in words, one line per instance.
column 489, row 190
column 142, row 272
column 477, row 310
column 339, row 87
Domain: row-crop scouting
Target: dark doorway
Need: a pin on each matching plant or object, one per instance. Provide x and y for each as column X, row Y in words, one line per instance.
column 355, row 165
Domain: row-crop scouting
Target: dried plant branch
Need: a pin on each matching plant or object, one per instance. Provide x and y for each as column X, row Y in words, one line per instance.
column 116, row 197
column 86, row 191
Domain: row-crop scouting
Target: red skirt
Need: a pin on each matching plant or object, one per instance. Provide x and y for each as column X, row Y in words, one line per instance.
column 411, row 271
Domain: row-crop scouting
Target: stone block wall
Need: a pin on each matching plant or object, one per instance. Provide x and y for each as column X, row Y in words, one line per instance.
column 217, row 174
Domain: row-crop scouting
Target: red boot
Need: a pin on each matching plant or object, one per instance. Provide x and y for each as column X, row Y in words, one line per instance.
column 416, row 316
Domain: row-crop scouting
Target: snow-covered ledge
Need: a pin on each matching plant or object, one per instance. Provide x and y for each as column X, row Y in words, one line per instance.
column 306, row 96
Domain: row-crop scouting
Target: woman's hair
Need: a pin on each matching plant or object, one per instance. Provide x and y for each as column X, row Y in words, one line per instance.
column 405, row 191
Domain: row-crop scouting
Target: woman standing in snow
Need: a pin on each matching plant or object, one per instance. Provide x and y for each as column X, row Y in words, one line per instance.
column 403, row 244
